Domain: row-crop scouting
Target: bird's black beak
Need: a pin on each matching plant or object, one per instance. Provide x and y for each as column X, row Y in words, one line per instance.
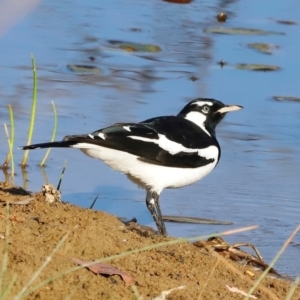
column 229, row 108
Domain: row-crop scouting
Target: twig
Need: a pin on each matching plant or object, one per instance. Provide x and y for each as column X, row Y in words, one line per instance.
column 61, row 176
column 237, row 245
column 92, row 205
column 271, row 265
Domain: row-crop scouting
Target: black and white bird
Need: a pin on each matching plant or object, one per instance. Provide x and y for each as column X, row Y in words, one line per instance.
column 163, row 152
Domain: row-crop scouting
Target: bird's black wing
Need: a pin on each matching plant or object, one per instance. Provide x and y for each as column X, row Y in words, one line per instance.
column 168, row 141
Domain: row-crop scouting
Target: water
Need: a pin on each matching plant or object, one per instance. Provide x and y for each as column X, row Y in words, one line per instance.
column 257, row 179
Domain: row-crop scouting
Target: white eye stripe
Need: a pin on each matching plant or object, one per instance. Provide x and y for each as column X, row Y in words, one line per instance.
column 202, row 103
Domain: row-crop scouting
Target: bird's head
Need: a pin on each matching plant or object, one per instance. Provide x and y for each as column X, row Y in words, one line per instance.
column 206, row 113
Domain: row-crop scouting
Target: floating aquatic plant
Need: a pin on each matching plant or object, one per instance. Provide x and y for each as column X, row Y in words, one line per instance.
column 256, row 67
column 241, row 31
column 84, row 69
column 286, row 98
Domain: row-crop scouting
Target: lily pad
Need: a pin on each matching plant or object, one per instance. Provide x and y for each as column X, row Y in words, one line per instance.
column 179, row 1
column 286, row 22
column 84, row 69
column 256, row 67
column 241, row 31
column 262, row 47
column 135, row 47
column 286, row 98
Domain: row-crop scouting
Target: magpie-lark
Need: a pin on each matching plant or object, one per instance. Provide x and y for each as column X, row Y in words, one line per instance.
column 159, row 153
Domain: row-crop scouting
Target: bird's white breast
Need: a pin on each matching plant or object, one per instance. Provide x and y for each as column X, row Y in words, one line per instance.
column 151, row 176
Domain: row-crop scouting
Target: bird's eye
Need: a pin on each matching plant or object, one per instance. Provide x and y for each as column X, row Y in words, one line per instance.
column 205, row 109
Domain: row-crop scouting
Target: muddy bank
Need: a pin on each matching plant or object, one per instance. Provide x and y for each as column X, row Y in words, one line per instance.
column 37, row 228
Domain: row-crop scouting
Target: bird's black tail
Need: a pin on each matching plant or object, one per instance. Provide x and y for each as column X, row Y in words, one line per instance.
column 61, row 144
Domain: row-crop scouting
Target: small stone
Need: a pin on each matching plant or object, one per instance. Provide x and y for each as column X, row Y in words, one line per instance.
column 51, row 193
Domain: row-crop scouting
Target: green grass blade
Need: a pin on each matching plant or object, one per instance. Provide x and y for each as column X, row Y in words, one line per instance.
column 134, row 251
column 9, row 287
column 10, row 149
column 24, row 178
column 42, row 163
column 12, row 140
column 42, row 267
column 3, row 274
column 33, row 110
column 292, row 289
column 44, row 175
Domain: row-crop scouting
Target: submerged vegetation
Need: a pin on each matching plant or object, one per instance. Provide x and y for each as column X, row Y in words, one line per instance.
column 33, row 110
column 11, row 135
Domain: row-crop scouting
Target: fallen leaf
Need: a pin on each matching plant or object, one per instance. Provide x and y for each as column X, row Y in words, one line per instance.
column 256, row 67
column 263, row 47
column 236, row 290
column 135, row 47
column 179, row 1
column 241, row 31
column 163, row 294
column 84, row 69
column 286, row 98
column 286, row 22
column 105, row 269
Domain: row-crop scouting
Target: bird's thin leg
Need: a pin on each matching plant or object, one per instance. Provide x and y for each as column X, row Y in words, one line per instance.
column 152, row 201
column 155, row 196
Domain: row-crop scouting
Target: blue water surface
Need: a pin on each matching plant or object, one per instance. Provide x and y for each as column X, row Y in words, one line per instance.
column 257, row 179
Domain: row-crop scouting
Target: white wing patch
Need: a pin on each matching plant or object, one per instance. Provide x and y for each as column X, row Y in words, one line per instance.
column 174, row 148
column 197, row 118
column 91, row 136
column 101, row 135
column 127, row 128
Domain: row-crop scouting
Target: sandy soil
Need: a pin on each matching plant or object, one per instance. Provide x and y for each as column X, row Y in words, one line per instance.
column 36, row 229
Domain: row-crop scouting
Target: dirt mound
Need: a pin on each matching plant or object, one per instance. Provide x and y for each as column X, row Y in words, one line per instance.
column 36, row 228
